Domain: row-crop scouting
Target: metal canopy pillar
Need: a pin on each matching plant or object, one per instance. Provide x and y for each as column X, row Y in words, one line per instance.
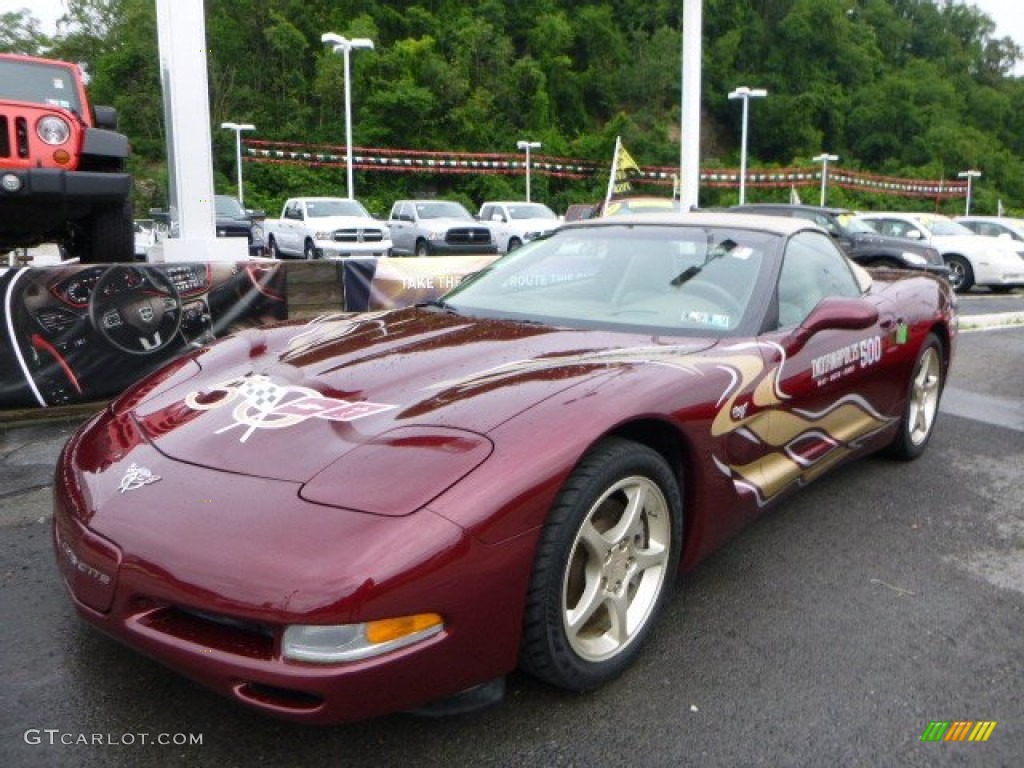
column 689, row 113
column 181, row 31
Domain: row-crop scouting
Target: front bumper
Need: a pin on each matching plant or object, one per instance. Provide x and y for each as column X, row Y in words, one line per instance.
column 216, row 612
column 42, row 200
column 333, row 249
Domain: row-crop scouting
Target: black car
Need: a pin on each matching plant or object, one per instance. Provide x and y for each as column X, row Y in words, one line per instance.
column 235, row 221
column 863, row 244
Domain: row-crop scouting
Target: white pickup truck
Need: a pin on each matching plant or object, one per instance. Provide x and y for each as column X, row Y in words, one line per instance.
column 326, row 228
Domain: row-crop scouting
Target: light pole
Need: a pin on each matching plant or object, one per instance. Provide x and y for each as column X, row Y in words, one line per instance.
column 345, row 46
column 745, row 93
column 527, row 146
column 969, row 175
column 238, row 128
column 824, row 159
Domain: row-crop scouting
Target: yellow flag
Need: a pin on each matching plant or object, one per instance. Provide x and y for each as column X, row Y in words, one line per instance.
column 624, row 168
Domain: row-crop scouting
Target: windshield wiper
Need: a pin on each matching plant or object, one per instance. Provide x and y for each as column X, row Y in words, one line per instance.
column 438, row 304
column 723, row 248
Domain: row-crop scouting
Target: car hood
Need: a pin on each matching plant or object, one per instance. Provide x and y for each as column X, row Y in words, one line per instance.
column 969, row 243
column 326, row 223
column 864, row 239
column 288, row 403
column 448, row 222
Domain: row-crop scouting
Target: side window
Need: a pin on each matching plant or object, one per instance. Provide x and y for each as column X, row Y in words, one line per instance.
column 813, row 268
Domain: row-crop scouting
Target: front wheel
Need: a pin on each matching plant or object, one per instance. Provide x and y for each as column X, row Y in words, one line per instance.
column 422, row 249
column 922, row 406
column 605, row 565
column 111, row 235
column 309, row 251
column 961, row 274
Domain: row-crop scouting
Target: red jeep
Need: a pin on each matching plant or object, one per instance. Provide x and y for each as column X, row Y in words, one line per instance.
column 62, row 164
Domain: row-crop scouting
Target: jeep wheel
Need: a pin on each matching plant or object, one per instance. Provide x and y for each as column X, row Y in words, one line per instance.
column 110, row 235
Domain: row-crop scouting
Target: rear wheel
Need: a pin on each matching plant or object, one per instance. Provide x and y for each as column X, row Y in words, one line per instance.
column 605, row 565
column 922, row 404
column 961, row 274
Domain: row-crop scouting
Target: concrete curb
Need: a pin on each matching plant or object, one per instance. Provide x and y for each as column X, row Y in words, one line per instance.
column 989, row 322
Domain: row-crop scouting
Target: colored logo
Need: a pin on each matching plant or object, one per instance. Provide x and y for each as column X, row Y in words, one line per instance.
column 958, row 730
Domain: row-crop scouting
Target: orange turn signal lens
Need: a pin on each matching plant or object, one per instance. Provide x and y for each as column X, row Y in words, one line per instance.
column 389, row 630
column 62, row 157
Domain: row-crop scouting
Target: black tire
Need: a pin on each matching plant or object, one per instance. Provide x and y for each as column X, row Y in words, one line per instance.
column 922, row 402
column 110, row 235
column 272, row 248
column 309, row 251
column 513, row 243
column 961, row 274
column 422, row 249
column 588, row 552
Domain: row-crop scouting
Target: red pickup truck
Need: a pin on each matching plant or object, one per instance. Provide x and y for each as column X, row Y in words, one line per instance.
column 62, row 164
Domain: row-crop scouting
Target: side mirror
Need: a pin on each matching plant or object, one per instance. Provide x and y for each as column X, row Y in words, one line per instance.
column 106, row 117
column 498, row 217
column 834, row 313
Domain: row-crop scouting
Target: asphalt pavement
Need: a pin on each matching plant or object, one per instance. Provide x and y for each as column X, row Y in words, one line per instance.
column 831, row 633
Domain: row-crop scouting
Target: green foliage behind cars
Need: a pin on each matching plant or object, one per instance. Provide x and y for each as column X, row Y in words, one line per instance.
column 913, row 89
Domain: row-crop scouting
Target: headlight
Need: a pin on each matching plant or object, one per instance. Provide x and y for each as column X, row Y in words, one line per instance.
column 53, row 130
column 350, row 642
column 436, row 235
column 323, row 235
column 914, row 258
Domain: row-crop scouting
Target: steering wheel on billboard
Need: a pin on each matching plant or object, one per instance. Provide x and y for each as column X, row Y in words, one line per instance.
column 137, row 310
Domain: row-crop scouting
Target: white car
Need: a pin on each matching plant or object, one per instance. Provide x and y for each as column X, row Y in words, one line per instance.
column 995, row 226
column 515, row 223
column 972, row 259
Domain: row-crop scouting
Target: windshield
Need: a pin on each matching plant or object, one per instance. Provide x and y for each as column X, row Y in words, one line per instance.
column 683, row 280
column 854, row 226
column 228, row 207
column 39, row 83
column 940, row 226
column 531, row 211
column 442, row 210
column 322, row 208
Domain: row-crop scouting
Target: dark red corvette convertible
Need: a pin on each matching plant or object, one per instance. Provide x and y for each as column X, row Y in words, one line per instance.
column 392, row 511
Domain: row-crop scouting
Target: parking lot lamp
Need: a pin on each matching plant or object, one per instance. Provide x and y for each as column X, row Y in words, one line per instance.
column 527, row 146
column 745, row 93
column 344, row 46
column 238, row 128
column 824, row 159
column 969, row 175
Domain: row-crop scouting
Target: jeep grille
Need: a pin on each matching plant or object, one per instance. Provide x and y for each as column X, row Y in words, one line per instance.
column 13, row 138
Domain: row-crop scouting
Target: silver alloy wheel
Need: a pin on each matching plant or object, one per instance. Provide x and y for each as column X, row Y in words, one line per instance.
column 956, row 274
column 924, row 396
column 617, row 568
